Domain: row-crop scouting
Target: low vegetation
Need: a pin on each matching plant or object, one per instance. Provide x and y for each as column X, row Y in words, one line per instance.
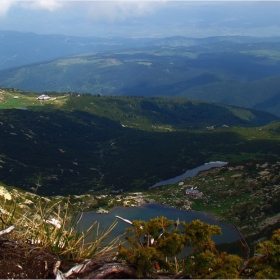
column 95, row 152
column 54, row 227
column 243, row 193
column 75, row 144
column 156, row 248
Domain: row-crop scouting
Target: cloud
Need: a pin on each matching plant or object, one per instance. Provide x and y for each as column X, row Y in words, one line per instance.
column 5, row 5
column 50, row 5
column 106, row 9
column 118, row 10
column 125, row 7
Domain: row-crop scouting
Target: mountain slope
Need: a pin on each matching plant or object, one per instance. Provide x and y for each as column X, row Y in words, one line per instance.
column 237, row 74
column 262, row 94
column 63, row 148
column 18, row 48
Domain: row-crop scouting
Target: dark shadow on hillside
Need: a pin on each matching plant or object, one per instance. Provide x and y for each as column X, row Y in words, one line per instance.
column 62, row 153
column 272, row 104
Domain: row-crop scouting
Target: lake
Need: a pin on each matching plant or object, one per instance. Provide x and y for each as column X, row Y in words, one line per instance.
column 190, row 173
column 149, row 211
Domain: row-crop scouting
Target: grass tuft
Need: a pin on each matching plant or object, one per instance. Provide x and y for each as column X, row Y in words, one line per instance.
column 55, row 229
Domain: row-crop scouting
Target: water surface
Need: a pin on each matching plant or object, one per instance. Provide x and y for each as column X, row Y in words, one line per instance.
column 190, row 173
column 148, row 211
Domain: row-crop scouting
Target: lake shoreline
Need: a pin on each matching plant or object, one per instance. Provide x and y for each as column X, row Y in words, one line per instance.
column 190, row 173
column 142, row 200
column 152, row 210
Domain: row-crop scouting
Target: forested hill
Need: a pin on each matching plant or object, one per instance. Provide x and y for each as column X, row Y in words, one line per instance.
column 239, row 74
column 74, row 144
column 21, row 48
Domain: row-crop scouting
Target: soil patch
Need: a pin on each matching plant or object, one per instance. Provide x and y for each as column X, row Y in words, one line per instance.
column 19, row 261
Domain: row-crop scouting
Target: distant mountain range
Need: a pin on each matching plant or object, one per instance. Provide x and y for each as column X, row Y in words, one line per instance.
column 239, row 71
column 18, row 48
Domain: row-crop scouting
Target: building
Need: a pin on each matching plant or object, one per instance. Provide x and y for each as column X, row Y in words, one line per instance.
column 43, row 97
column 191, row 193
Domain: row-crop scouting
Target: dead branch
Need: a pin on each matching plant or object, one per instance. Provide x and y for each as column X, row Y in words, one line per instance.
column 244, row 243
column 114, row 271
column 84, row 267
column 124, row 220
column 59, row 275
column 246, row 248
column 7, row 230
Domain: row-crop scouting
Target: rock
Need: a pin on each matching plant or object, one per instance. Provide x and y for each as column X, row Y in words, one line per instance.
column 236, row 176
column 102, row 211
column 265, row 165
column 5, row 193
column 263, row 173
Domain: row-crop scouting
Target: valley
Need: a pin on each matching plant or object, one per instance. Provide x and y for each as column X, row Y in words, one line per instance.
column 139, row 139
column 102, row 152
column 81, row 143
column 74, row 154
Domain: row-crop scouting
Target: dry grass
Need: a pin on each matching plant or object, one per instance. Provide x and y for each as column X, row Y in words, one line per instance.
column 54, row 228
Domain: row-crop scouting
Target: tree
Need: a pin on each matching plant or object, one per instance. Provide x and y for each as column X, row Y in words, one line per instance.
column 159, row 243
column 266, row 262
column 157, row 247
column 204, row 260
column 151, row 244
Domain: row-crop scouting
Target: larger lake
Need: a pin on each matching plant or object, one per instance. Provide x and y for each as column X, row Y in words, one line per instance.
column 148, row 211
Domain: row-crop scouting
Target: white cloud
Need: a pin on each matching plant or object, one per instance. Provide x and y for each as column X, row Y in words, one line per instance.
column 134, row 1
column 118, row 10
column 123, row 7
column 50, row 5
column 5, row 5
column 109, row 9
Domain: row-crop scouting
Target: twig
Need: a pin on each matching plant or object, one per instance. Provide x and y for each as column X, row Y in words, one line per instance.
column 124, row 220
column 2, row 220
column 56, row 267
column 59, row 275
column 246, row 249
column 7, row 230
column 136, row 231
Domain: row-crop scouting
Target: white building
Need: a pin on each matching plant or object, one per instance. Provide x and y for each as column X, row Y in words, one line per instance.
column 193, row 193
column 43, row 97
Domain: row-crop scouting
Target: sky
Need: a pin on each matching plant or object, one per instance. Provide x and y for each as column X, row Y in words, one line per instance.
column 133, row 18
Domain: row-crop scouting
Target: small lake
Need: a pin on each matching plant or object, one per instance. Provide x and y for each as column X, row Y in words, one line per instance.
column 149, row 211
column 190, row 173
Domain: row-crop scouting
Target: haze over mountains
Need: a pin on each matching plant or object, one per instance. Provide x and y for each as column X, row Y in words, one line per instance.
column 21, row 48
column 234, row 70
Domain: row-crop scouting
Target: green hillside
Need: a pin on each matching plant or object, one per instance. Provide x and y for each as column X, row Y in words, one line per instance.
column 21, row 48
column 75, row 144
column 219, row 71
column 237, row 193
column 262, row 94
